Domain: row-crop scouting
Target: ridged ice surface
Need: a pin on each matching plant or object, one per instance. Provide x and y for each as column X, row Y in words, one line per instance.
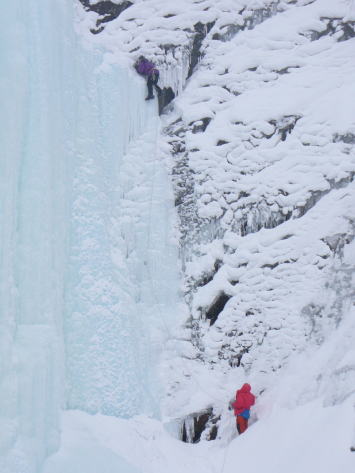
column 80, row 325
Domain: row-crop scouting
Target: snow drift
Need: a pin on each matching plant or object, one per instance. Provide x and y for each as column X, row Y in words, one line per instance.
column 97, row 346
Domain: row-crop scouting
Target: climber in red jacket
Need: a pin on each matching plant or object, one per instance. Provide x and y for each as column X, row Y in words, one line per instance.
column 244, row 399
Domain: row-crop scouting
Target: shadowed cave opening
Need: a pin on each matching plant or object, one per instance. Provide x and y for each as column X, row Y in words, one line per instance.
column 197, row 423
column 217, row 307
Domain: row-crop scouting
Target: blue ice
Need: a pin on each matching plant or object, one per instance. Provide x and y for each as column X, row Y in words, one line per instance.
column 85, row 203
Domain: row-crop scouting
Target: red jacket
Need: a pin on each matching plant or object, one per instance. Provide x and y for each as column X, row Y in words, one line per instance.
column 244, row 399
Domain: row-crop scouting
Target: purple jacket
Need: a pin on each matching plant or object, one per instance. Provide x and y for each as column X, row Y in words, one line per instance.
column 147, row 68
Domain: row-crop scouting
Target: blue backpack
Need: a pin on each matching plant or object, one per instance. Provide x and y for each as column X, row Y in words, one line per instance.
column 246, row 414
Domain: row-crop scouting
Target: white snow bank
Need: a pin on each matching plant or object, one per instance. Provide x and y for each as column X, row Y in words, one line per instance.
column 309, row 439
column 284, row 436
column 138, row 444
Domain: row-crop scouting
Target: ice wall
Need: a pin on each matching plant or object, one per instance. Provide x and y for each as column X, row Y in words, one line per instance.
column 37, row 75
column 120, row 210
column 78, row 161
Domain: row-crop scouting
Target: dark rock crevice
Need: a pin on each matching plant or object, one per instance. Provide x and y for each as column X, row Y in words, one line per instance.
column 198, row 127
column 348, row 138
column 166, row 98
column 217, row 307
column 335, row 25
column 208, row 275
column 284, row 125
column 265, row 218
column 107, row 10
column 258, row 17
column 198, row 423
column 235, row 359
column 201, row 31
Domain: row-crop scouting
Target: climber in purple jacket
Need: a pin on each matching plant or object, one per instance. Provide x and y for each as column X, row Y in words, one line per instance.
column 146, row 68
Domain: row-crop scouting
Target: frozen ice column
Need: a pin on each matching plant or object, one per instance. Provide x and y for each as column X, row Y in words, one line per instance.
column 78, row 156
column 38, row 76
column 105, row 331
column 120, row 196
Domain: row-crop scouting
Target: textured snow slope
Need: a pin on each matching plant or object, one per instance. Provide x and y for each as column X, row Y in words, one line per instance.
column 273, row 190
column 261, row 144
column 308, row 439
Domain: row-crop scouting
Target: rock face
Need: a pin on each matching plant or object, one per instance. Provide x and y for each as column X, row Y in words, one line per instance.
column 199, row 425
column 107, row 11
column 262, row 169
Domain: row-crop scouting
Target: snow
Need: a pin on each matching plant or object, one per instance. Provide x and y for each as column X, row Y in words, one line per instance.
column 286, row 435
column 309, row 438
column 101, row 356
column 272, row 187
column 296, row 440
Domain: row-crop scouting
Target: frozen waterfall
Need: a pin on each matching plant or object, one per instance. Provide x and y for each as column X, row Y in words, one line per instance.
column 80, row 327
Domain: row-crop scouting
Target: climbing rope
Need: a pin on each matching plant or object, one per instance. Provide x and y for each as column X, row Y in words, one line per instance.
column 152, row 189
column 172, row 341
column 229, row 441
column 188, row 369
column 150, row 278
column 157, row 302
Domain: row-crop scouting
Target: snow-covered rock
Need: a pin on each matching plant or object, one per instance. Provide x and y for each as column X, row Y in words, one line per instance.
column 260, row 140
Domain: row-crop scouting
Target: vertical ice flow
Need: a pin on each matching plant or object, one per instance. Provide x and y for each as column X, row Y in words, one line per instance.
column 77, row 163
column 109, row 300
